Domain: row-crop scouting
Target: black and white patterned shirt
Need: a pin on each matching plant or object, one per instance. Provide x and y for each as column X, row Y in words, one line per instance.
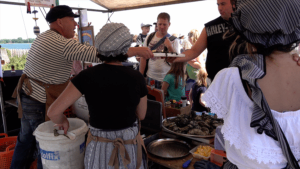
column 140, row 39
column 50, row 60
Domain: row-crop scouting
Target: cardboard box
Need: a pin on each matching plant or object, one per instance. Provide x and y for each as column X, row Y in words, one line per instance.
column 171, row 112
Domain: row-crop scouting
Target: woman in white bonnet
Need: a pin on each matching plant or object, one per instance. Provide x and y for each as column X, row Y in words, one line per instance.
column 258, row 96
column 117, row 99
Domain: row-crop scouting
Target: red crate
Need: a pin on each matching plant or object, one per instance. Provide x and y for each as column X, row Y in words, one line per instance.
column 7, row 148
column 218, row 157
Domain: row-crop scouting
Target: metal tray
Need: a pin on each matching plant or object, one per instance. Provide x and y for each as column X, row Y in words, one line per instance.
column 185, row 135
column 169, row 148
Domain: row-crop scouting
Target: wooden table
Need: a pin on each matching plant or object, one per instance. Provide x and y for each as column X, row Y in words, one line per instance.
column 173, row 164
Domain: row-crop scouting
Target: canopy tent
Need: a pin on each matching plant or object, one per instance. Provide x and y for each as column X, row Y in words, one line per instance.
column 120, row 5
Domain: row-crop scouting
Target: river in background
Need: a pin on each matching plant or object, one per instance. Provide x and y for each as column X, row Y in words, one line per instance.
column 16, row 45
column 16, row 49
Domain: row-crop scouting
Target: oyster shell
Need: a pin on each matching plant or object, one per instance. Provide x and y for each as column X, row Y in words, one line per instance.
column 193, row 124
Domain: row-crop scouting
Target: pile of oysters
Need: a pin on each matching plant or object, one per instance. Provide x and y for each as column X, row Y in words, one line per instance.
column 193, row 124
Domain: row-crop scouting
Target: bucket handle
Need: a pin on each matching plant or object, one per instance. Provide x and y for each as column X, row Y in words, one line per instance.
column 10, row 147
column 3, row 134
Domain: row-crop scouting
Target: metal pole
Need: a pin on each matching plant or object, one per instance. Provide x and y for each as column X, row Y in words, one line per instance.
column 2, row 110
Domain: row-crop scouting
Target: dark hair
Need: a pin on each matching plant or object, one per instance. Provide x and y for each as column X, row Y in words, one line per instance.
column 118, row 58
column 164, row 15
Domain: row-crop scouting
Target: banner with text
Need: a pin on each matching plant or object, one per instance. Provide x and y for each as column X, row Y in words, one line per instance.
column 41, row 3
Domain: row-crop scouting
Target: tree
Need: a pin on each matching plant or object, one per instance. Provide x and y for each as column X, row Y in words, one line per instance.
column 18, row 62
column 19, row 40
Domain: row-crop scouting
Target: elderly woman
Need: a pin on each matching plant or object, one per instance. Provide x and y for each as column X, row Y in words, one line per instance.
column 258, row 96
column 116, row 98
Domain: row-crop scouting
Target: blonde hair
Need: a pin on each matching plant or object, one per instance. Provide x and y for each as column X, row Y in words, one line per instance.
column 194, row 35
column 201, row 77
column 249, row 48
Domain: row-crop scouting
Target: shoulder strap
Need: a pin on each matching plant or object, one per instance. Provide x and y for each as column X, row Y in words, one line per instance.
column 150, row 38
column 161, row 41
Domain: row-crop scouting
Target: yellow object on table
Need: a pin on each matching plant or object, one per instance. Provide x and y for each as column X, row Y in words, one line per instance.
column 203, row 150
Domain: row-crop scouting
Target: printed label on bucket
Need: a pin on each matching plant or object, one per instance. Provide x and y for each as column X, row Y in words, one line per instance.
column 82, row 146
column 50, row 155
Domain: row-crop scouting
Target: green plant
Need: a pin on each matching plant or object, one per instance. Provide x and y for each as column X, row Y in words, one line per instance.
column 8, row 53
column 18, row 62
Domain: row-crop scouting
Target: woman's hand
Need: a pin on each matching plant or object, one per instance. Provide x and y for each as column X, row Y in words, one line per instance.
column 64, row 125
column 141, row 52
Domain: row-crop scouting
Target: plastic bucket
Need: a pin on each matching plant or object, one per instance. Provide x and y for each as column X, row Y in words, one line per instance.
column 59, row 152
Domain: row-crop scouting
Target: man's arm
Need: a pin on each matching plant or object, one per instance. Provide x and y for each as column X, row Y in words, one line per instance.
column 196, row 50
column 74, row 50
column 164, row 87
column 195, row 63
column 169, row 45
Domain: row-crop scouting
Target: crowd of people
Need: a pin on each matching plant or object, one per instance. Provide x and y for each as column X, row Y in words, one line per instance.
column 249, row 78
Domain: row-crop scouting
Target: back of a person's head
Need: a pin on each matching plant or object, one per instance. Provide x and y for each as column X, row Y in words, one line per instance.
column 201, row 77
column 177, row 69
column 270, row 27
column 194, row 35
column 164, row 16
column 113, row 42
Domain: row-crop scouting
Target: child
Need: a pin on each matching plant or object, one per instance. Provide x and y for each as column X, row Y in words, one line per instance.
column 173, row 86
column 142, row 36
column 197, row 89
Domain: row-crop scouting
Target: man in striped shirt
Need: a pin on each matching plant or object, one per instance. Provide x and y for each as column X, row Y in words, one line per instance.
column 49, row 61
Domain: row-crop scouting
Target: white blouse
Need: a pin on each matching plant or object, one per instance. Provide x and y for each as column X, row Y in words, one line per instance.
column 244, row 146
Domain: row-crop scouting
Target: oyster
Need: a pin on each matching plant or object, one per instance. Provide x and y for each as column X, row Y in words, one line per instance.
column 198, row 118
column 184, row 129
column 193, row 124
column 196, row 132
column 213, row 132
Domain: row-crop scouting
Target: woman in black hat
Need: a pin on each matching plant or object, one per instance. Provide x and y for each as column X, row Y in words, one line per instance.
column 258, row 96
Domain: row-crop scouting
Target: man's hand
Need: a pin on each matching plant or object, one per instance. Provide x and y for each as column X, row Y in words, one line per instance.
column 141, row 52
column 296, row 58
column 168, row 43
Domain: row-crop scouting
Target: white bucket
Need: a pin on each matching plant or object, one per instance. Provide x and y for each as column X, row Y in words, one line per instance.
column 60, row 152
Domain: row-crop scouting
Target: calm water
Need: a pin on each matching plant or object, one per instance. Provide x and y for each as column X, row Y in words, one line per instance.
column 16, row 46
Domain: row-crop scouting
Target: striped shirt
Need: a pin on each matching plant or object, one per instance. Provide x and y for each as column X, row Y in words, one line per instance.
column 50, row 60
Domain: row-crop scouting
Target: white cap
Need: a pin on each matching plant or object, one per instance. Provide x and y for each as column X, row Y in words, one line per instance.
column 143, row 25
column 180, row 35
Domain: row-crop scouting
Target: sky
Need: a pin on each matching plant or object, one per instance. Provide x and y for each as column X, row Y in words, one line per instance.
column 15, row 22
